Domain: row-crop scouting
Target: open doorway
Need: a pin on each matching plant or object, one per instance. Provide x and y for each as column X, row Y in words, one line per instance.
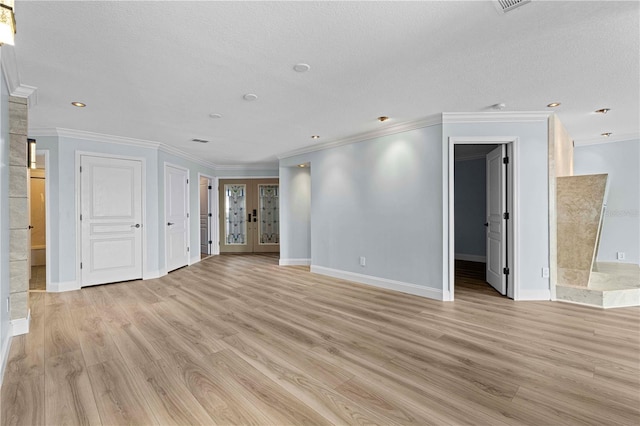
column 481, row 238
column 38, row 225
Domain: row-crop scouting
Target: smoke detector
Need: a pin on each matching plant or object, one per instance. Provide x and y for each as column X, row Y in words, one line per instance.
column 504, row 6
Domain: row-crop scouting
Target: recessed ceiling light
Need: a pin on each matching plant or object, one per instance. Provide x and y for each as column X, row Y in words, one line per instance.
column 553, row 104
column 606, row 134
column 78, row 104
column 215, row 115
column 315, row 137
column 603, row 110
column 301, row 67
column 302, row 165
column 383, row 118
column 199, row 140
column 250, row 97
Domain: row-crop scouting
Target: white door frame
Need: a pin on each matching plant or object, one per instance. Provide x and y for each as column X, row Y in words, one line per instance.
column 164, row 213
column 143, row 186
column 214, row 223
column 513, row 226
column 47, row 220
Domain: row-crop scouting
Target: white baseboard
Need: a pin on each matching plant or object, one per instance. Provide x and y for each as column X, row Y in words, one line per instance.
column 294, row 262
column 471, row 257
column 403, row 287
column 4, row 354
column 21, row 325
column 534, row 295
column 63, row 286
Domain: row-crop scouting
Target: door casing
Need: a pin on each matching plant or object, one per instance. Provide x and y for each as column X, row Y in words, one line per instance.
column 512, row 144
column 214, row 247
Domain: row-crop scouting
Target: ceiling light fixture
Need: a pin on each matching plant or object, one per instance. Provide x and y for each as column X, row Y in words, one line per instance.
column 499, row 106
column 382, row 119
column 606, row 134
column 250, row 97
column 554, row 104
column 215, row 115
column 7, row 22
column 301, row 67
column 302, row 165
column 603, row 110
column 78, row 104
column 315, row 137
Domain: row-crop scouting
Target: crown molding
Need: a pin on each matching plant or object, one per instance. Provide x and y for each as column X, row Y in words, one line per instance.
column 495, row 117
column 12, row 77
column 361, row 137
column 611, row 139
column 249, row 166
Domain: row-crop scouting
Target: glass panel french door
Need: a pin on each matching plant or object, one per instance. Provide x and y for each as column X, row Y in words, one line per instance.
column 249, row 215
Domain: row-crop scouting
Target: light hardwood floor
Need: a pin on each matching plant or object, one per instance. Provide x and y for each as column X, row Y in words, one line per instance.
column 240, row 340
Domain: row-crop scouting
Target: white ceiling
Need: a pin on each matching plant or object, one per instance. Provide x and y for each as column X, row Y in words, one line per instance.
column 156, row 70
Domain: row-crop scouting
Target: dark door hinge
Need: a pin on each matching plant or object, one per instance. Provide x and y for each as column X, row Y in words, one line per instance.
column 80, row 169
column 80, row 217
column 505, row 160
column 209, row 187
column 210, row 242
column 505, row 271
column 210, row 215
column 80, row 265
column 505, row 215
column 187, row 249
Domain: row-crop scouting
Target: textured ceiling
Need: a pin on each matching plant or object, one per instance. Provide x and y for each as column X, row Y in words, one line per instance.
column 156, row 70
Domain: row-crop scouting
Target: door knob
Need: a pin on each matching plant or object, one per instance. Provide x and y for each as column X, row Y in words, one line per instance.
column 486, row 224
column 30, row 227
column 137, row 225
column 169, row 223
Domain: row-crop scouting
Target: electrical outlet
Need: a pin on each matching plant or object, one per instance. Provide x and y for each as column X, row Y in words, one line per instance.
column 545, row 272
column 363, row 261
column 621, row 255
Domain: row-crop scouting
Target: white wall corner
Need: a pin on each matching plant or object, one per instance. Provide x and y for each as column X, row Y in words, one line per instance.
column 4, row 353
column 294, row 262
column 63, row 286
column 416, row 290
column 151, row 275
column 533, row 295
column 194, row 260
column 21, row 325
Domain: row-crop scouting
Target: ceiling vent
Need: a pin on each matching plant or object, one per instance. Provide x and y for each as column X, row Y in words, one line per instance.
column 504, row 6
column 199, row 140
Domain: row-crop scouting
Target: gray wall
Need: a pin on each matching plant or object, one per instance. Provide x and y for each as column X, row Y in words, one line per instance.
column 621, row 225
column 470, row 208
column 295, row 211
column 380, row 199
column 62, row 199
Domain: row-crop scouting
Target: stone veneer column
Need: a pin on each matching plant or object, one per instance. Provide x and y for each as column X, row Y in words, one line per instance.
column 18, row 208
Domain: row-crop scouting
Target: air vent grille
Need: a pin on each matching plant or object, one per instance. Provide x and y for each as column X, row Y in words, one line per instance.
column 505, row 6
column 199, row 140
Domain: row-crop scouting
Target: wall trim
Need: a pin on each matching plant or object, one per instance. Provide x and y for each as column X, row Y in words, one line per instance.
column 524, row 294
column 251, row 166
column 417, row 290
column 21, row 325
column 151, row 275
column 602, row 140
column 12, row 76
column 471, row 257
column 294, row 262
column 364, row 136
column 494, row 117
column 63, row 286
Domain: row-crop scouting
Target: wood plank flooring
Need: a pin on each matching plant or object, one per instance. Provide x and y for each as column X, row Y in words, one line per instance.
column 238, row 340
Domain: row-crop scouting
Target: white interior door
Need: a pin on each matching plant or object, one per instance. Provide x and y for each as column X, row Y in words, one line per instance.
column 496, row 222
column 205, row 235
column 176, row 199
column 111, row 219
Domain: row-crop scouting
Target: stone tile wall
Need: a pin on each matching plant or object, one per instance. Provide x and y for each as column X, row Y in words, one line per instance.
column 18, row 211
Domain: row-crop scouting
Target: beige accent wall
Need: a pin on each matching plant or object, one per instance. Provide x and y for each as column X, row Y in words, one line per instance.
column 580, row 203
column 18, row 208
column 560, row 164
